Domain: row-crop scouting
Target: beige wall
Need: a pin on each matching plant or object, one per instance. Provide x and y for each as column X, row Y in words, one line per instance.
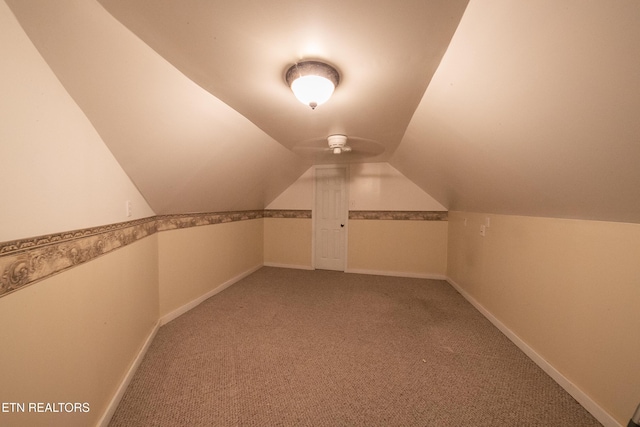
column 287, row 242
column 379, row 186
column 73, row 337
column 372, row 186
column 62, row 176
column 569, row 289
column 413, row 248
column 404, row 247
column 194, row 261
column 298, row 195
column 416, row 248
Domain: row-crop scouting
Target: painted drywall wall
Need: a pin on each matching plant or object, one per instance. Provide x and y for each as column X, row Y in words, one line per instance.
column 379, row 186
column 533, row 111
column 287, row 242
column 298, row 195
column 378, row 246
column 372, row 186
column 569, row 289
column 173, row 137
column 58, row 173
column 72, row 338
column 403, row 248
column 195, row 261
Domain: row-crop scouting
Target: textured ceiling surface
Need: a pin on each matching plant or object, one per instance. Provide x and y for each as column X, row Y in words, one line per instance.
column 526, row 108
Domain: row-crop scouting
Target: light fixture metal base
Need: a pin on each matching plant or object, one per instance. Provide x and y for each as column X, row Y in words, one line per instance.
column 312, row 68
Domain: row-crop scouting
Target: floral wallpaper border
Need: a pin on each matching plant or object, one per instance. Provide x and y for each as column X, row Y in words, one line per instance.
column 23, row 262
column 290, row 213
column 173, row 222
column 400, row 215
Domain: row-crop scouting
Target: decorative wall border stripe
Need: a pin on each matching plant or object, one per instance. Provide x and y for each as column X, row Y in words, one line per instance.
column 27, row 261
column 401, row 215
column 23, row 262
column 10, row 247
column 173, row 222
column 378, row 215
column 289, row 213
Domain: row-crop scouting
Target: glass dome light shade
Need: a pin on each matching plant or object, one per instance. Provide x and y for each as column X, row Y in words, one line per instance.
column 312, row 82
column 312, row 90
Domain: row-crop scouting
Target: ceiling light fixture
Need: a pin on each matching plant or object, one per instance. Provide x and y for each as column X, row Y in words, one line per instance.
column 312, row 82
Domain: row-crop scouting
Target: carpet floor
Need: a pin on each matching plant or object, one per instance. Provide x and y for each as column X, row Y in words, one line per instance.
column 319, row 348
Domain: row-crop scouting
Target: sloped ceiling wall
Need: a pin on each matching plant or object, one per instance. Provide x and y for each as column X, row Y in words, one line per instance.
column 532, row 110
column 190, row 96
column 185, row 150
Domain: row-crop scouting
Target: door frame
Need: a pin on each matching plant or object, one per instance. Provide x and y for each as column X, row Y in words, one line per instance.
column 346, row 212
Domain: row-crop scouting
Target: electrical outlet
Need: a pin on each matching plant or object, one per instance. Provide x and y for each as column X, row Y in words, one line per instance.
column 465, row 222
column 128, row 209
column 483, row 230
column 487, row 221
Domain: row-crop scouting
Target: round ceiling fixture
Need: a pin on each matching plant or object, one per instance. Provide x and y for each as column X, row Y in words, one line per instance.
column 312, row 82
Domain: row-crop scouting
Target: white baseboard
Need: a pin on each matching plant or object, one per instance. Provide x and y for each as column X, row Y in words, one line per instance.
column 117, row 397
column 294, row 266
column 596, row 410
column 591, row 406
column 115, row 401
column 188, row 306
column 397, row 274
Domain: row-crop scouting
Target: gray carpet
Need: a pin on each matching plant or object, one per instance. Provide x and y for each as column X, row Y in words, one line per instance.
column 319, row 348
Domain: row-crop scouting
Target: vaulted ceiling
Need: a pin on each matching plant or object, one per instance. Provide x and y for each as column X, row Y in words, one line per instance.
column 526, row 108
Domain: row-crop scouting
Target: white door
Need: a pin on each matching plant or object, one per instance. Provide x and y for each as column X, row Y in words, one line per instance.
column 330, row 218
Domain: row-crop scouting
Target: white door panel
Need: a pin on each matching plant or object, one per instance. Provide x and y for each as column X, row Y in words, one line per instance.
column 330, row 220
